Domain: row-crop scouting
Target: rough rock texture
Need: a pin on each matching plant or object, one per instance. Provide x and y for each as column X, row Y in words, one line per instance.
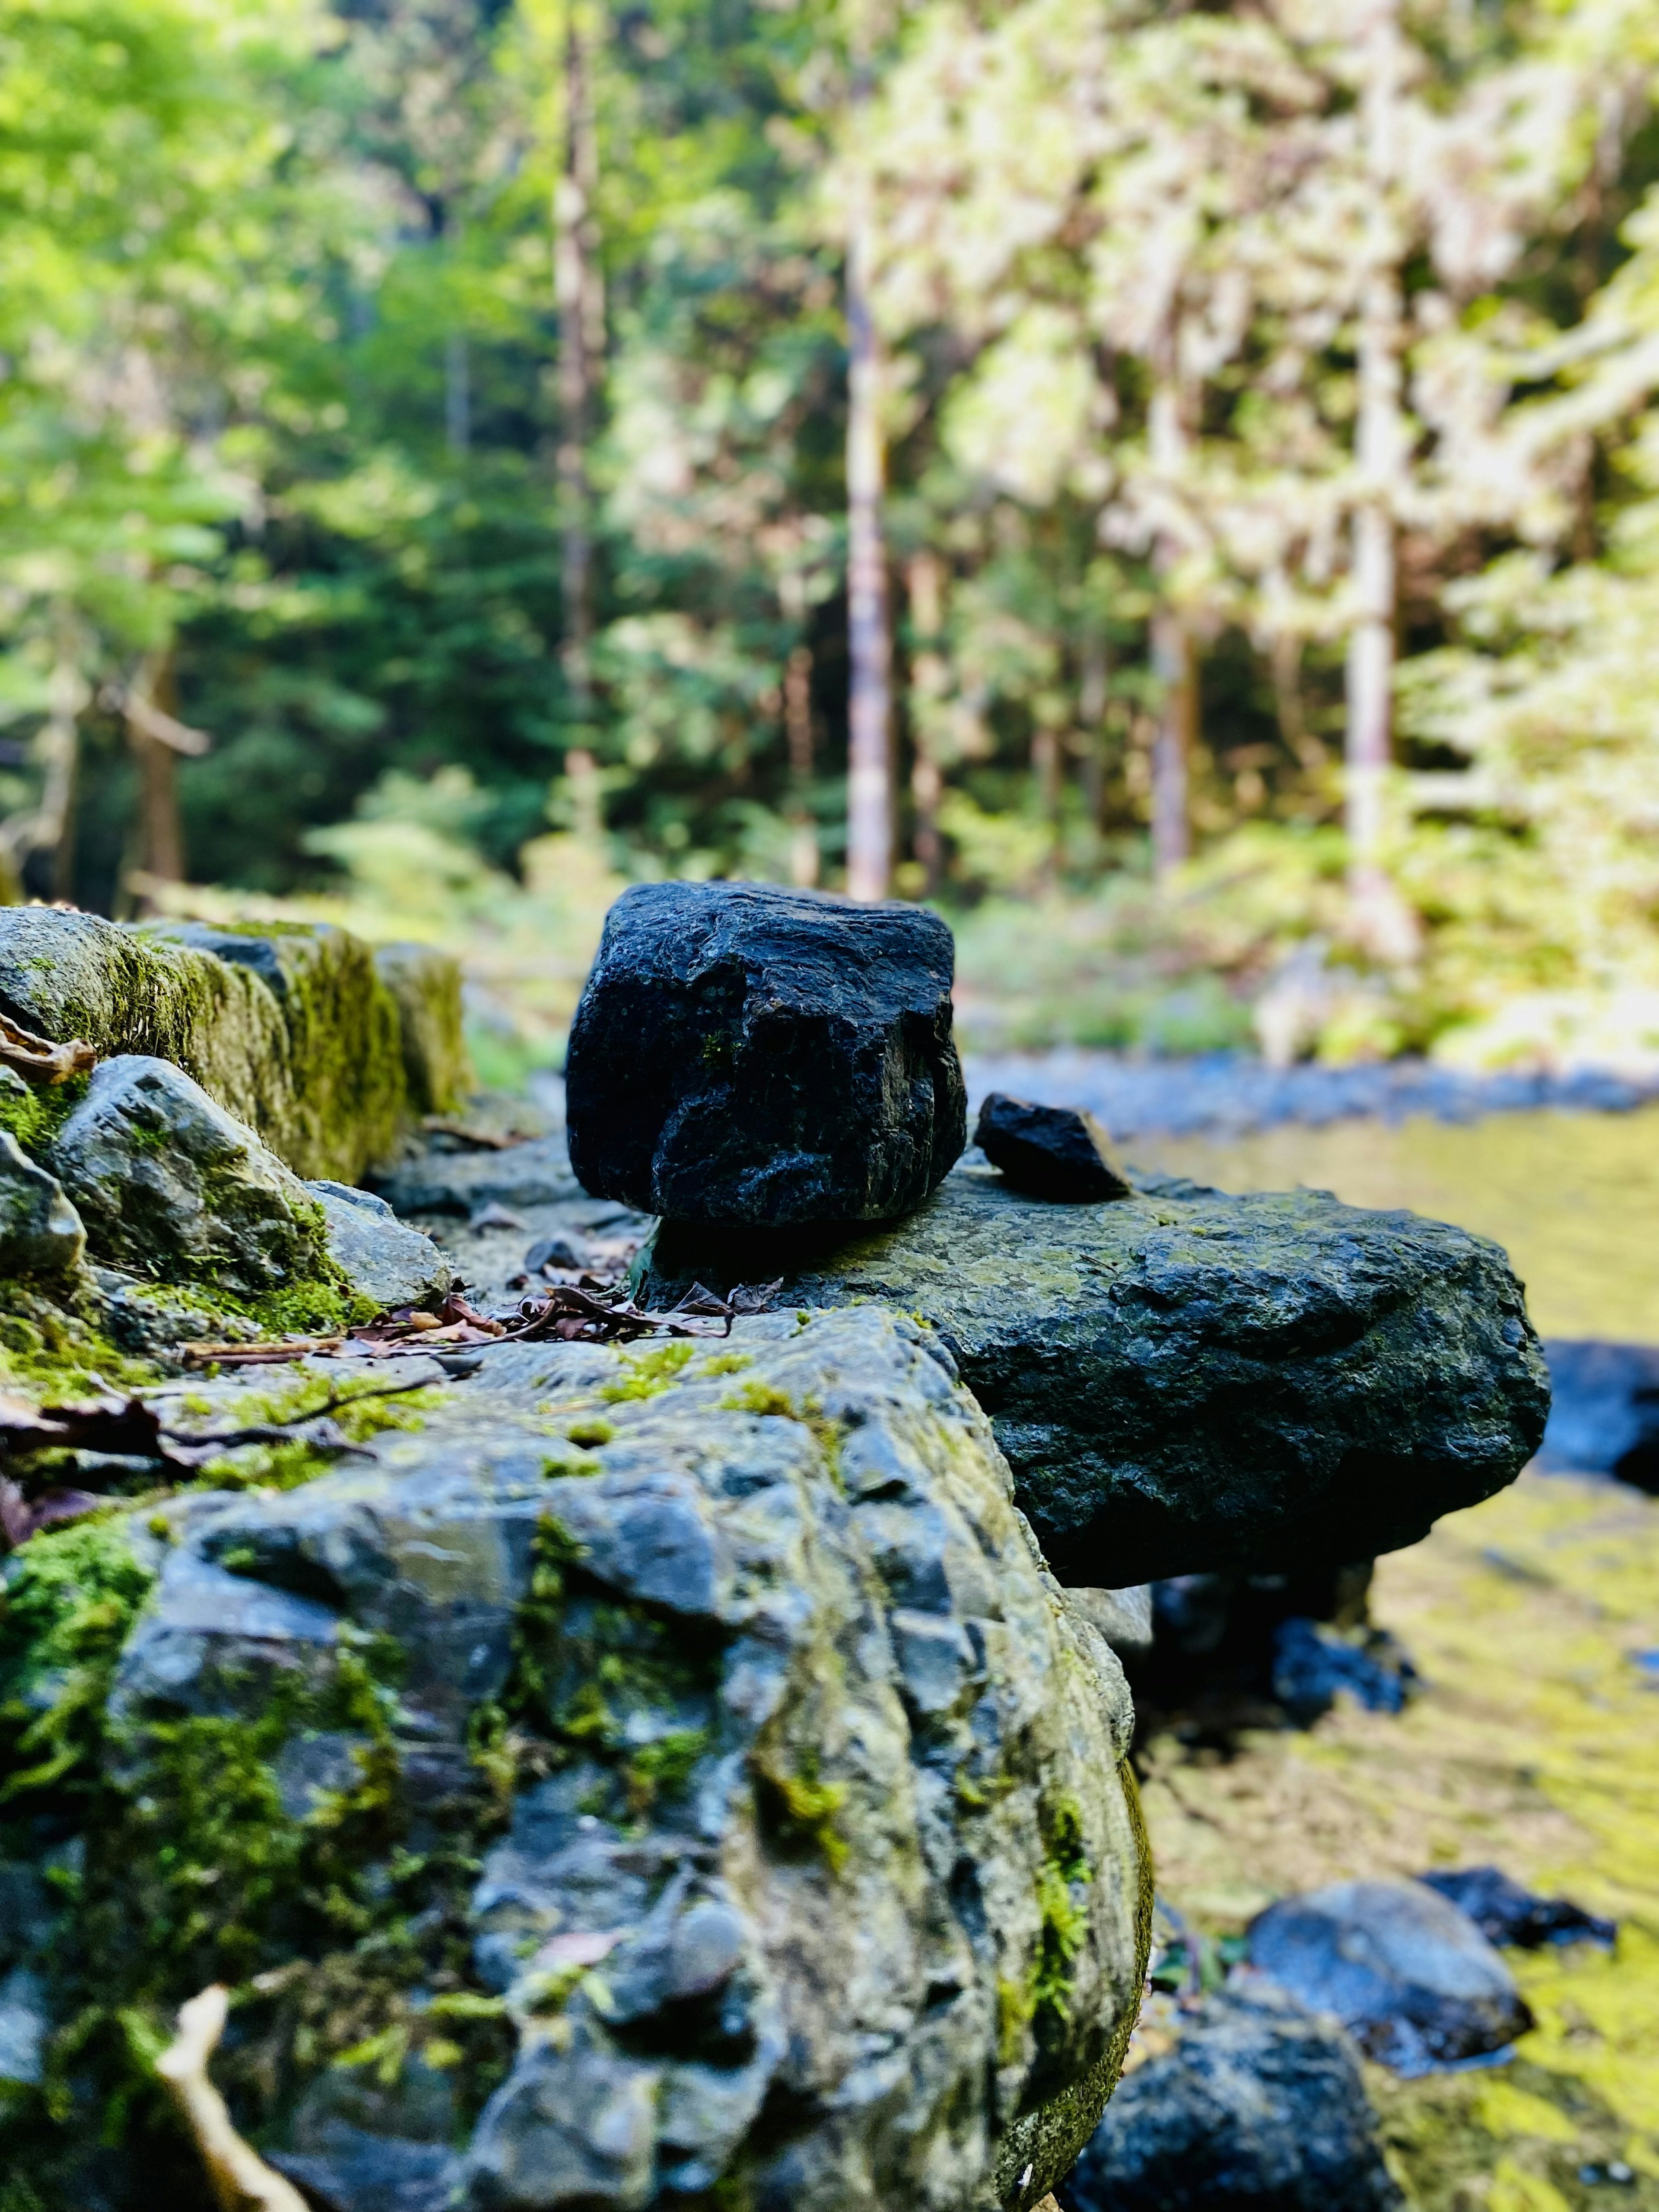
column 535, row 1173
column 1185, row 1381
column 1411, row 1978
column 746, row 1053
column 171, row 1185
column 1506, row 1913
column 345, row 1054
column 1124, row 1616
column 40, row 1233
column 291, row 1030
column 385, row 1259
column 817, row 1876
column 1049, row 1152
column 426, row 984
column 1257, row 2104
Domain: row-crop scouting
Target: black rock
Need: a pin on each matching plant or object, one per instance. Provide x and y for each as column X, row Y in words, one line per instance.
column 1052, row 1152
column 1604, row 1412
column 1506, row 1913
column 1410, row 1977
column 1313, row 1666
column 1258, row 2104
column 743, row 1054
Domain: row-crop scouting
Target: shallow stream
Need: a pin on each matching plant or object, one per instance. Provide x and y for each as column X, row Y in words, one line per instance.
column 1573, row 1197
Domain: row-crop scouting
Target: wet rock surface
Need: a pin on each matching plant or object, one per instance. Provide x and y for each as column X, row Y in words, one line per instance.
column 1184, row 1381
column 1257, row 2102
column 1604, row 1411
column 746, row 1053
column 1409, row 1976
column 818, row 1872
column 1048, row 1151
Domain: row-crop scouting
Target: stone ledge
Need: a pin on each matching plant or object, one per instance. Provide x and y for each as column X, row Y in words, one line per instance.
column 325, row 1049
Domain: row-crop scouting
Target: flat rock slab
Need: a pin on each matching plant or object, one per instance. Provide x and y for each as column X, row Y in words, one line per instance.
column 819, row 1876
column 1410, row 1977
column 746, row 1053
column 1258, row 2103
column 1185, row 1381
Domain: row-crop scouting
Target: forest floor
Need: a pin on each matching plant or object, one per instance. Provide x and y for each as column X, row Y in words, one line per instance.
column 1535, row 1746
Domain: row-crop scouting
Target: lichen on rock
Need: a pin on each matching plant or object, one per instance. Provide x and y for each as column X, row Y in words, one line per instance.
column 725, row 1803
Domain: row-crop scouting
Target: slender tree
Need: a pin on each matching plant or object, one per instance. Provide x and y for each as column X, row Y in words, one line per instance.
column 1379, row 920
column 1175, row 658
column 579, row 291
column 929, row 680
column 869, row 631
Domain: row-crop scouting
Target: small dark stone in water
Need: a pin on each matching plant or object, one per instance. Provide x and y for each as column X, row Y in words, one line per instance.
column 1052, row 1152
column 1313, row 1666
column 744, row 1054
column 1258, row 2104
column 1409, row 1976
column 1604, row 1412
column 1506, row 1913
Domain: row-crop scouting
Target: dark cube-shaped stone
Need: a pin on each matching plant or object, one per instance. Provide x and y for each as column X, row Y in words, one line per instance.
column 746, row 1053
column 1052, row 1152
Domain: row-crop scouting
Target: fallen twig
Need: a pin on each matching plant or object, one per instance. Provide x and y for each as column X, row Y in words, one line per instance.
column 257, row 1355
column 38, row 1059
column 240, row 2179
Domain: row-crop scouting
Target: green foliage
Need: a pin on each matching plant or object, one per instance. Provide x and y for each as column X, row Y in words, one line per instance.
column 277, row 453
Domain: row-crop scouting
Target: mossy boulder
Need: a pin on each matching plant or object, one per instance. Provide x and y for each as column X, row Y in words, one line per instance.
column 294, row 1030
column 172, row 1185
column 666, row 1773
column 1185, row 1381
column 426, row 986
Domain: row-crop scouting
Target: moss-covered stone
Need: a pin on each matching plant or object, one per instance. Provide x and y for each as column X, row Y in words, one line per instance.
column 427, row 987
column 740, row 1786
column 346, row 1095
column 292, row 1029
column 1184, row 1380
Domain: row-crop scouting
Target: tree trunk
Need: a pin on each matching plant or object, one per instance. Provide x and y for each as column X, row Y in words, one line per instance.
column 798, row 730
column 157, row 737
column 929, row 677
column 870, row 645
column 1379, row 920
column 457, row 394
column 1175, row 663
column 1092, row 718
column 1175, row 666
column 580, row 296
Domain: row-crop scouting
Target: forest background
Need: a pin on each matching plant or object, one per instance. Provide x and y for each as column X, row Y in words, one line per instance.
column 1178, row 487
